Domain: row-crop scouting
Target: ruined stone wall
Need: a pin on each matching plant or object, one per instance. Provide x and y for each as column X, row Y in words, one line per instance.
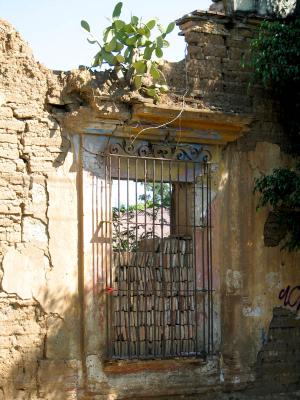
column 278, row 361
column 280, row 8
column 38, row 210
column 218, row 54
column 252, row 274
column 52, row 339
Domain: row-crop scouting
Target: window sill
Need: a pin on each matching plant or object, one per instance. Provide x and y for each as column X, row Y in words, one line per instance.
column 135, row 366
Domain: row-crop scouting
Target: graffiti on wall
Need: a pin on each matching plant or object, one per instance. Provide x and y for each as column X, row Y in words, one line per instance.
column 291, row 296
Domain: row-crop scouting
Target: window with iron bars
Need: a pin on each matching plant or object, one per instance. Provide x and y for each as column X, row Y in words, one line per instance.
column 160, row 264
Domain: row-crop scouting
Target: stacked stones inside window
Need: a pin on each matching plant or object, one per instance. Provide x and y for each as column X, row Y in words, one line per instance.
column 159, row 269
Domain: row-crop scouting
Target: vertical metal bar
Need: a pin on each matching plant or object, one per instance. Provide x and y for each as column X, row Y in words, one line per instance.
column 103, row 282
column 185, row 265
column 110, row 226
column 145, row 266
column 161, row 199
column 94, row 231
column 203, row 257
column 173, row 214
column 94, row 215
column 196, row 339
column 208, row 262
column 153, row 255
column 105, row 224
column 102, row 258
column 138, row 345
column 162, row 295
column 177, row 202
column 108, row 322
column 110, row 299
column 129, row 294
column 120, row 292
column 179, row 280
column 211, row 267
column 162, row 215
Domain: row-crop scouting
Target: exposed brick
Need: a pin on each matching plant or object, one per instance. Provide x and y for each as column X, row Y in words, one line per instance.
column 13, row 125
column 6, row 112
column 213, row 50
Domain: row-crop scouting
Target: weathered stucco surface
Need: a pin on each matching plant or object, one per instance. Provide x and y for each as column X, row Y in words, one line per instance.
column 38, row 222
column 52, row 312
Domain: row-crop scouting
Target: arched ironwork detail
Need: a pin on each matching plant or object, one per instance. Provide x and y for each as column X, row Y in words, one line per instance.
column 182, row 152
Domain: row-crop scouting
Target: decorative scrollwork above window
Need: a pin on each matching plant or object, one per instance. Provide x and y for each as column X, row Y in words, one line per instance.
column 168, row 151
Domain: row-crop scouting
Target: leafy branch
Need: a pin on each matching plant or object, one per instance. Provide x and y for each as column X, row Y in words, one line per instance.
column 275, row 61
column 276, row 54
column 128, row 47
column 281, row 190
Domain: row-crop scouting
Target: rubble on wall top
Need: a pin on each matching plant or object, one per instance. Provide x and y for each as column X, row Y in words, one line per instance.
column 77, row 87
column 76, row 97
column 199, row 15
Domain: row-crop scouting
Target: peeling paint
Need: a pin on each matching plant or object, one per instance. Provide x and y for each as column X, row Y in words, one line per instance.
column 273, row 280
column 234, row 280
column 29, row 265
column 252, row 311
column 34, row 230
column 99, row 131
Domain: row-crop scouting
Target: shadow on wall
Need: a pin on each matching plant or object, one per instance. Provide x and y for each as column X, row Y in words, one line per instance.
column 39, row 361
column 278, row 362
column 39, row 304
column 39, row 350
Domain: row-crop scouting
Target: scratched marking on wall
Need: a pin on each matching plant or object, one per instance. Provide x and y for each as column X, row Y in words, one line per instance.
column 290, row 296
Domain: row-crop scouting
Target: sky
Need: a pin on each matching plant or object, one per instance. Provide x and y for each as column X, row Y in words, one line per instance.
column 52, row 27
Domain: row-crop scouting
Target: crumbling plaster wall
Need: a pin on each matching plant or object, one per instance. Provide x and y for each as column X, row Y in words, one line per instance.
column 38, row 222
column 41, row 341
column 44, row 337
column 252, row 275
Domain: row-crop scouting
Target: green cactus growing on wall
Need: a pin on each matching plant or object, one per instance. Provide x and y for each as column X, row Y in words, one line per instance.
column 130, row 49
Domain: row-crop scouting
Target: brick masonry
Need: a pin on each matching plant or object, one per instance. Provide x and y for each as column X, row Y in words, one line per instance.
column 278, row 362
column 218, row 46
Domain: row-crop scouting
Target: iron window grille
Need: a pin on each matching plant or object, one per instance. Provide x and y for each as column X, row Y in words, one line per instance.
column 158, row 257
